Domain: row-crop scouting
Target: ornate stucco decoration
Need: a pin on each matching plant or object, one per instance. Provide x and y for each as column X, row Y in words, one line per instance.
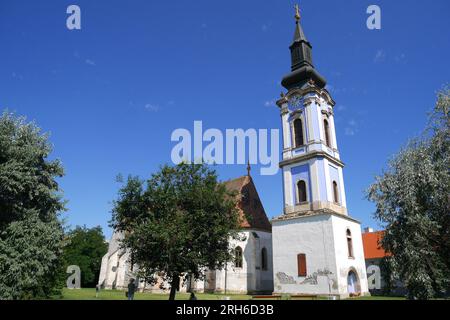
column 328, row 112
column 312, row 279
column 283, row 278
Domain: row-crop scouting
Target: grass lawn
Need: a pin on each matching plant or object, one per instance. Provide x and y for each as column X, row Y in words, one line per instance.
column 89, row 294
column 378, row 298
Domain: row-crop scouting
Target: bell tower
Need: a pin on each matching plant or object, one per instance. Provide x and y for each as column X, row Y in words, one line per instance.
column 312, row 169
column 314, row 236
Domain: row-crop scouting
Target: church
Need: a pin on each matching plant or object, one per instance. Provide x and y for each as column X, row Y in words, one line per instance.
column 251, row 271
column 317, row 246
column 314, row 246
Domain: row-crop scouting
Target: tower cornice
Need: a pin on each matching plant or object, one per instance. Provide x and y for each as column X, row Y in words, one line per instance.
column 296, row 215
column 311, row 155
column 323, row 93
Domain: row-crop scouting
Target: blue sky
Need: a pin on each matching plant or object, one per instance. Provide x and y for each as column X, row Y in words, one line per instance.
column 112, row 93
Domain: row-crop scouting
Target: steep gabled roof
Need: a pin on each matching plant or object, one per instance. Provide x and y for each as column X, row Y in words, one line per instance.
column 249, row 204
column 372, row 245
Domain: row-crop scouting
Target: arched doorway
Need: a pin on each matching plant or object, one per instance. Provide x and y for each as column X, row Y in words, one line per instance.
column 353, row 283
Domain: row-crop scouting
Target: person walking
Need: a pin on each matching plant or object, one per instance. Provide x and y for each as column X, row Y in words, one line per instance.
column 131, row 289
column 192, row 297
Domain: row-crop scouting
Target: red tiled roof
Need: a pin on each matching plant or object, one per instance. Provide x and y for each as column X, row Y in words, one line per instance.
column 372, row 246
column 249, row 204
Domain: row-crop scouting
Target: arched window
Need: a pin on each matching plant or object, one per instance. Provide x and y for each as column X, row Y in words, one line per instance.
column 349, row 243
column 335, row 192
column 298, row 133
column 264, row 259
column 326, row 127
column 301, row 189
column 238, row 257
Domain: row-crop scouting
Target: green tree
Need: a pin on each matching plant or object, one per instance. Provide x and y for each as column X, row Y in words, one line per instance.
column 177, row 226
column 412, row 202
column 85, row 248
column 31, row 233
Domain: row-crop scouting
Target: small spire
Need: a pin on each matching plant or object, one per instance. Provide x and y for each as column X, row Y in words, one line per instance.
column 302, row 68
column 249, row 168
column 298, row 35
column 297, row 13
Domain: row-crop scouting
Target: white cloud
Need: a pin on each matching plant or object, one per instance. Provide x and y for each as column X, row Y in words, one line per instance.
column 352, row 128
column 17, row 76
column 269, row 103
column 380, row 56
column 151, row 107
column 78, row 56
column 349, row 131
column 90, row 62
column 400, row 58
column 336, row 74
column 266, row 26
column 335, row 90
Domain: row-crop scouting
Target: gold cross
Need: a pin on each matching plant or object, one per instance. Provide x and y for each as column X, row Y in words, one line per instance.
column 297, row 12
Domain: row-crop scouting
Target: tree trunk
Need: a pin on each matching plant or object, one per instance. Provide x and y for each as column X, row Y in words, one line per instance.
column 174, row 284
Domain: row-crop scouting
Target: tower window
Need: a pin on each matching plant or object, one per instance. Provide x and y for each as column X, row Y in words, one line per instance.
column 326, row 127
column 301, row 265
column 301, row 189
column 349, row 243
column 264, row 259
column 238, row 257
column 298, row 133
column 335, row 192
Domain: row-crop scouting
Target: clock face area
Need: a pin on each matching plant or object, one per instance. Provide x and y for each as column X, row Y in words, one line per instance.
column 295, row 102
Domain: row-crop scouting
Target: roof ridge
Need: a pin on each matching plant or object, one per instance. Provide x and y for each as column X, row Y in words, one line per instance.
column 235, row 179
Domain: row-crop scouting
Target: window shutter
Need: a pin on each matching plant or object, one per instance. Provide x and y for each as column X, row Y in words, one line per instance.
column 301, row 264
